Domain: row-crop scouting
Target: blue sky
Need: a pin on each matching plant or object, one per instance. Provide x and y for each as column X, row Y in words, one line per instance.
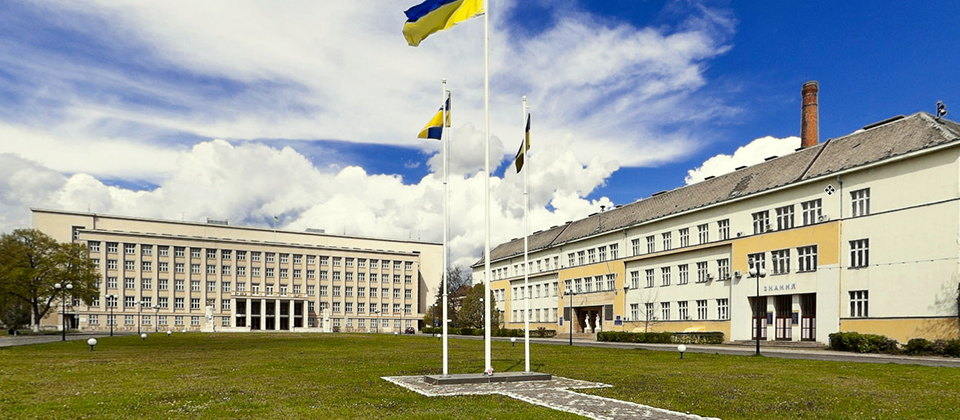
column 244, row 110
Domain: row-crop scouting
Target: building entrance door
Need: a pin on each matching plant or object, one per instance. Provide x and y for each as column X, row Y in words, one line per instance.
column 759, row 310
column 808, row 317
column 784, row 319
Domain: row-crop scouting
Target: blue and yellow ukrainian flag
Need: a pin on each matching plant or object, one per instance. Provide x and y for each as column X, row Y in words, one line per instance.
column 436, row 15
column 434, row 128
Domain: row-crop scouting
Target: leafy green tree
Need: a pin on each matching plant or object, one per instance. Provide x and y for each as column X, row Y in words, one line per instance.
column 31, row 263
column 472, row 310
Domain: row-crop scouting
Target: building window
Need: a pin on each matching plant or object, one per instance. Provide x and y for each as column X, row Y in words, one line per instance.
column 93, row 246
column 225, row 270
column 195, row 303
column 195, row 285
column 129, row 265
column 195, row 253
column 780, row 259
column 164, row 284
column 811, row 211
column 807, row 258
column 285, row 258
column 271, row 257
column 146, row 284
column 723, row 308
column 129, row 283
column 195, row 268
column 241, row 286
column 635, row 246
column 580, row 258
column 179, row 252
column 611, row 281
column 723, row 268
column 684, row 310
column 757, row 260
column 614, row 251
column 859, row 304
column 111, row 247
column 255, row 256
column 761, row 222
column 163, row 250
column 225, row 287
column 702, row 272
column 860, row 199
column 178, row 285
column 634, row 311
column 702, row 309
column 703, row 233
column 635, row 280
column 684, row 237
column 859, row 253
column 241, row 255
column 649, row 275
column 602, row 253
column 665, row 276
column 651, row 244
column 284, row 272
column 111, row 282
column 255, row 271
column 112, row 264
column 211, row 286
column 667, row 240
column 178, row 267
column 270, row 272
column 178, row 303
column 785, row 217
column 665, row 311
column 724, row 227
column 683, row 274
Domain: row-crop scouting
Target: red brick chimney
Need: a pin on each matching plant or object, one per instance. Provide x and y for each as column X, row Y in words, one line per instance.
column 810, row 115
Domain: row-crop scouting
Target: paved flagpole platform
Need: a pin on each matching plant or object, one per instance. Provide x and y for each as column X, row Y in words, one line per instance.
column 480, row 378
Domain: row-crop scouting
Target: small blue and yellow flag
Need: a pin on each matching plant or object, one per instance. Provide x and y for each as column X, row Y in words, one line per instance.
column 436, row 15
column 434, row 128
column 523, row 150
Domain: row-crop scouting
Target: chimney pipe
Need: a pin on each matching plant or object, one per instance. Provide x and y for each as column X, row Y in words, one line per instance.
column 810, row 115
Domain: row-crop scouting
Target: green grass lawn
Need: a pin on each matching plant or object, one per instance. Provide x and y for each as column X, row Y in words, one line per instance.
column 323, row 376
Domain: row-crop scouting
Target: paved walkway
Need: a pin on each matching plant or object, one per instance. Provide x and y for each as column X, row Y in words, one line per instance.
column 25, row 340
column 555, row 394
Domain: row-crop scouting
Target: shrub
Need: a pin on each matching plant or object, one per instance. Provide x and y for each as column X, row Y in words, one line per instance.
column 648, row 337
column 863, row 343
column 919, row 346
column 952, row 348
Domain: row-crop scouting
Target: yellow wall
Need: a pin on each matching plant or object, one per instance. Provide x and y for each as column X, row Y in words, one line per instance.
column 605, row 297
column 824, row 235
column 903, row 329
column 678, row 326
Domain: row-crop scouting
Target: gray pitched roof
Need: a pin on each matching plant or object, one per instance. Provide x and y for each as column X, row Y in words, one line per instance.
column 897, row 137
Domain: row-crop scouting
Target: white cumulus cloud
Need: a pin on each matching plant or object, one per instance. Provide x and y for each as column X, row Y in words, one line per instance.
column 750, row 154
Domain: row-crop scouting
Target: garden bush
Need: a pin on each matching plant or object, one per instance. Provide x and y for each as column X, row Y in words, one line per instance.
column 863, row 343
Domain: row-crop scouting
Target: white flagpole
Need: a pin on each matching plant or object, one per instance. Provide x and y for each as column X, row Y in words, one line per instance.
column 486, row 187
column 526, row 249
column 443, row 140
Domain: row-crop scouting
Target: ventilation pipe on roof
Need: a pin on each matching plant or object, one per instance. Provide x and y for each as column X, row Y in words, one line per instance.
column 810, row 115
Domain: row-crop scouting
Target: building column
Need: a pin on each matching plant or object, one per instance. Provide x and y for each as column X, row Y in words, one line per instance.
column 263, row 314
column 233, row 312
column 293, row 315
column 249, row 311
column 276, row 315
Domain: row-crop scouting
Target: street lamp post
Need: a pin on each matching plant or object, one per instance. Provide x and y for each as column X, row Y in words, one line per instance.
column 758, row 273
column 623, row 325
column 63, row 289
column 156, row 317
column 376, row 322
column 140, row 315
column 111, row 302
column 571, row 317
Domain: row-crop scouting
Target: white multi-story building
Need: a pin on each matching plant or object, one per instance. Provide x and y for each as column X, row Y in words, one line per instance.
column 858, row 233
column 161, row 275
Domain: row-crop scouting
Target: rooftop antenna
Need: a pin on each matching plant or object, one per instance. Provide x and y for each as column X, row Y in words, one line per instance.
column 941, row 110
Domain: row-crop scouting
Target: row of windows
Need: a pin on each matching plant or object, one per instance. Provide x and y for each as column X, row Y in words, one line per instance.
column 535, row 315
column 533, row 291
column 255, row 272
column 683, row 311
column 94, row 319
column 361, row 308
column 255, row 256
column 179, row 285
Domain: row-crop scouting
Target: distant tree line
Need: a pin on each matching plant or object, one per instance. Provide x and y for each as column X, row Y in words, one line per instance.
column 464, row 303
